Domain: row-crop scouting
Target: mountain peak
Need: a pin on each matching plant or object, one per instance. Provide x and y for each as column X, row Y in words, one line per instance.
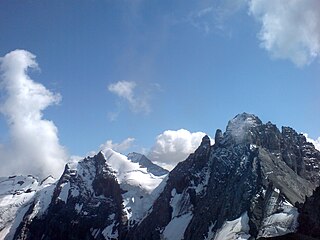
column 239, row 127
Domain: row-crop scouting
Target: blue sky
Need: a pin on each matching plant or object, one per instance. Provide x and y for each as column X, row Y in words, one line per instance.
column 183, row 65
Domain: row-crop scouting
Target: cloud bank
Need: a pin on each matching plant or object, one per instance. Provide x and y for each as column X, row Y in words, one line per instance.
column 118, row 147
column 33, row 146
column 289, row 29
column 126, row 90
column 316, row 142
column 172, row 147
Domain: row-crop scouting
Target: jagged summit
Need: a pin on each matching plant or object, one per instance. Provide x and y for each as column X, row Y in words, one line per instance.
column 239, row 128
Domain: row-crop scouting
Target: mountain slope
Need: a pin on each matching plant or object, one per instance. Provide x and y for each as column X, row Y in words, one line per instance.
column 249, row 181
column 98, row 197
column 247, row 185
column 17, row 195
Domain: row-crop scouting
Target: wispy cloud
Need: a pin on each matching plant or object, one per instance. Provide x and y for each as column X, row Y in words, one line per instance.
column 127, row 91
column 34, row 146
column 172, row 147
column 213, row 17
column 289, row 29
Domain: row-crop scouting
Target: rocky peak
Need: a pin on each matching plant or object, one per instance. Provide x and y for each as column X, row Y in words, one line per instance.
column 205, row 142
column 239, row 129
column 218, row 137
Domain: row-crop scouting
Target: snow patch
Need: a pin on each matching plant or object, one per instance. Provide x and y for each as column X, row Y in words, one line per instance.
column 78, row 207
column 280, row 223
column 16, row 195
column 180, row 203
column 176, row 227
column 108, row 232
column 236, row 229
column 64, row 192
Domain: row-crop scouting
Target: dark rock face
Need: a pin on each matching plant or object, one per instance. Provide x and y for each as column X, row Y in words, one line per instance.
column 309, row 218
column 146, row 163
column 94, row 203
column 247, row 170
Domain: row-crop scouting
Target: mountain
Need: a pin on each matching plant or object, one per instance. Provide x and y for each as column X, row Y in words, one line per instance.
column 251, row 184
column 245, row 185
column 99, row 197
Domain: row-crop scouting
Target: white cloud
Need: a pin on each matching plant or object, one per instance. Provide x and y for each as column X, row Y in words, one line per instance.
column 172, row 147
column 33, row 147
column 126, row 91
column 118, row 147
column 290, row 29
column 316, row 142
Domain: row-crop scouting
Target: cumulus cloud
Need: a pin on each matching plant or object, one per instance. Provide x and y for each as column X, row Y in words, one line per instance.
column 118, row 147
column 316, row 142
column 126, row 91
column 290, row 29
column 172, row 147
column 33, row 147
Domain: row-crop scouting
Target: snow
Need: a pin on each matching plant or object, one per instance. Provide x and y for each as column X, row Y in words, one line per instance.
column 180, row 203
column 78, row 207
column 140, row 185
column 176, row 227
column 280, row 223
column 180, row 217
column 43, row 199
column 236, row 229
column 17, row 193
column 130, row 172
column 108, row 232
column 64, row 193
column 211, row 233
